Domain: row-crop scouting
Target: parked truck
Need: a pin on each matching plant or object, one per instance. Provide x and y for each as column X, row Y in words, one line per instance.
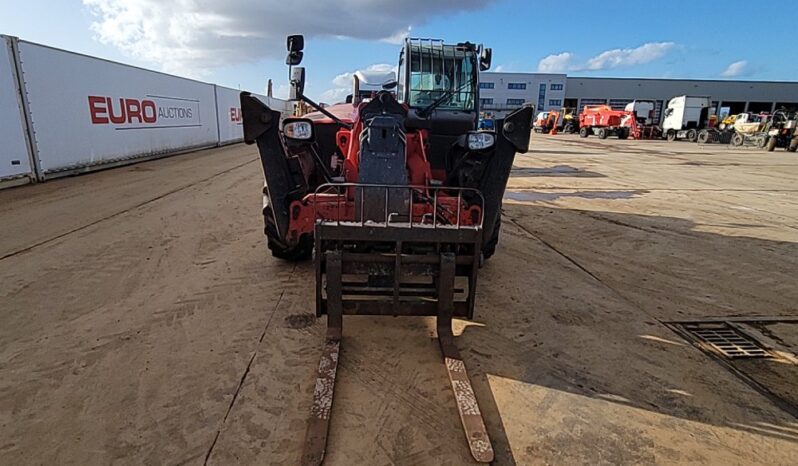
column 685, row 116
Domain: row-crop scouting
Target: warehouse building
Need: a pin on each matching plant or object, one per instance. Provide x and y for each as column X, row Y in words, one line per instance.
column 502, row 92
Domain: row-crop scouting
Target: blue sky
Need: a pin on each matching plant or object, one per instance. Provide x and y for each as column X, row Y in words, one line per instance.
column 239, row 43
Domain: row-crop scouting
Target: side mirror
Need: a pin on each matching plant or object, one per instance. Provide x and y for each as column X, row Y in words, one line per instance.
column 297, row 83
column 294, row 44
column 484, row 59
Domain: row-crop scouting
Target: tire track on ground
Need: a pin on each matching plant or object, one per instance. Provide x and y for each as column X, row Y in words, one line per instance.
column 121, row 212
column 246, row 371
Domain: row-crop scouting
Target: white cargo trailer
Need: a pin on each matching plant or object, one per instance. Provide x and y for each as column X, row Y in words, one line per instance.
column 15, row 163
column 63, row 113
column 87, row 112
column 685, row 116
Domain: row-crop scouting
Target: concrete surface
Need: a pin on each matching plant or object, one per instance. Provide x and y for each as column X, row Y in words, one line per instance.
column 142, row 320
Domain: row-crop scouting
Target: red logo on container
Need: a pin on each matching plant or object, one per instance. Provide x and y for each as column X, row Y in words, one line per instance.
column 235, row 115
column 104, row 110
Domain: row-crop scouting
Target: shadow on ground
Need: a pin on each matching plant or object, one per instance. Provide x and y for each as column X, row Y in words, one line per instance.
column 555, row 171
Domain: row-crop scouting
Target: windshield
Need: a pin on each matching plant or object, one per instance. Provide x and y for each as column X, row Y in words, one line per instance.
column 436, row 70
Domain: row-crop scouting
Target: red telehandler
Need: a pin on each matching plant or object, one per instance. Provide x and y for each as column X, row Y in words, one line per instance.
column 398, row 197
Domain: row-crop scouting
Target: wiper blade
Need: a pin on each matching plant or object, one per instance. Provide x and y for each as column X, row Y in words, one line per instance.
column 425, row 112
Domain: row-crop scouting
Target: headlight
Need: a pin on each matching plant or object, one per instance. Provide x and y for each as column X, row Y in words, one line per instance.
column 298, row 129
column 481, row 140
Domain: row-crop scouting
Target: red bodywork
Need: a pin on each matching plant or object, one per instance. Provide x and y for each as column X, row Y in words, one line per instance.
column 601, row 116
column 638, row 130
column 341, row 207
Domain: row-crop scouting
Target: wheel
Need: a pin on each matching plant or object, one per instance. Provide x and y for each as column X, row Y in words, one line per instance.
column 602, row 133
column 623, row 133
column 692, row 135
column 703, row 136
column 671, row 136
column 583, row 132
column 489, row 248
column 737, row 140
column 770, row 145
column 301, row 251
column 793, row 145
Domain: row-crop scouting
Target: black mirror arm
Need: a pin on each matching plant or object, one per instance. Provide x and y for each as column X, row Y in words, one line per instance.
column 325, row 112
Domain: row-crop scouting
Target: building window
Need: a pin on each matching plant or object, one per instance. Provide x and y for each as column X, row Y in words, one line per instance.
column 486, row 85
column 485, row 101
column 555, row 103
column 541, row 95
column 515, row 101
column 516, row 86
column 556, row 87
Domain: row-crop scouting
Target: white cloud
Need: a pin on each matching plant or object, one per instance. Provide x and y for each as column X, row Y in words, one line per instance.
column 399, row 37
column 332, row 96
column 618, row 58
column 343, row 82
column 193, row 36
column 558, row 63
column 609, row 59
column 738, row 68
column 345, row 79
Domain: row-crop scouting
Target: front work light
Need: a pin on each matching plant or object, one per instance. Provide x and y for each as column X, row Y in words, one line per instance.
column 481, row 140
column 298, row 129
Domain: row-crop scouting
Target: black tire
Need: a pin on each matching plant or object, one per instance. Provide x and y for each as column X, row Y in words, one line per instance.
column 793, row 145
column 489, row 249
column 671, row 136
column 692, row 135
column 737, row 140
column 602, row 133
column 770, row 146
column 583, row 132
column 703, row 136
column 623, row 133
column 298, row 252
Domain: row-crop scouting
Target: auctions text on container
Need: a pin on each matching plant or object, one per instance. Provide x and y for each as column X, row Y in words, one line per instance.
column 144, row 113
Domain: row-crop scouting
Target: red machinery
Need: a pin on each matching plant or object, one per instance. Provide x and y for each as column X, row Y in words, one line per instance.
column 398, row 198
column 640, row 120
column 641, row 130
column 602, row 121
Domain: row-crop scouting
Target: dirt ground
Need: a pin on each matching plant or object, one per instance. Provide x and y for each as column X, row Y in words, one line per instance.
column 142, row 320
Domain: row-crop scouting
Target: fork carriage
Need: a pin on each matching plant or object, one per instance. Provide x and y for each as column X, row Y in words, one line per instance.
column 422, row 262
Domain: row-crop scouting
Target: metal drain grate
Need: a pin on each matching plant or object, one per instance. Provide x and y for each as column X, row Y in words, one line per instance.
column 727, row 340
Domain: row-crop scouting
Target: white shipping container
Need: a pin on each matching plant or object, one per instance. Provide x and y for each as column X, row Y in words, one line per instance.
column 87, row 111
column 228, row 103
column 228, row 107
column 14, row 157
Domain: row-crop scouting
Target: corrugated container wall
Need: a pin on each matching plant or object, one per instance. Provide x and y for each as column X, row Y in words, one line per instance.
column 63, row 113
column 86, row 111
column 14, row 158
